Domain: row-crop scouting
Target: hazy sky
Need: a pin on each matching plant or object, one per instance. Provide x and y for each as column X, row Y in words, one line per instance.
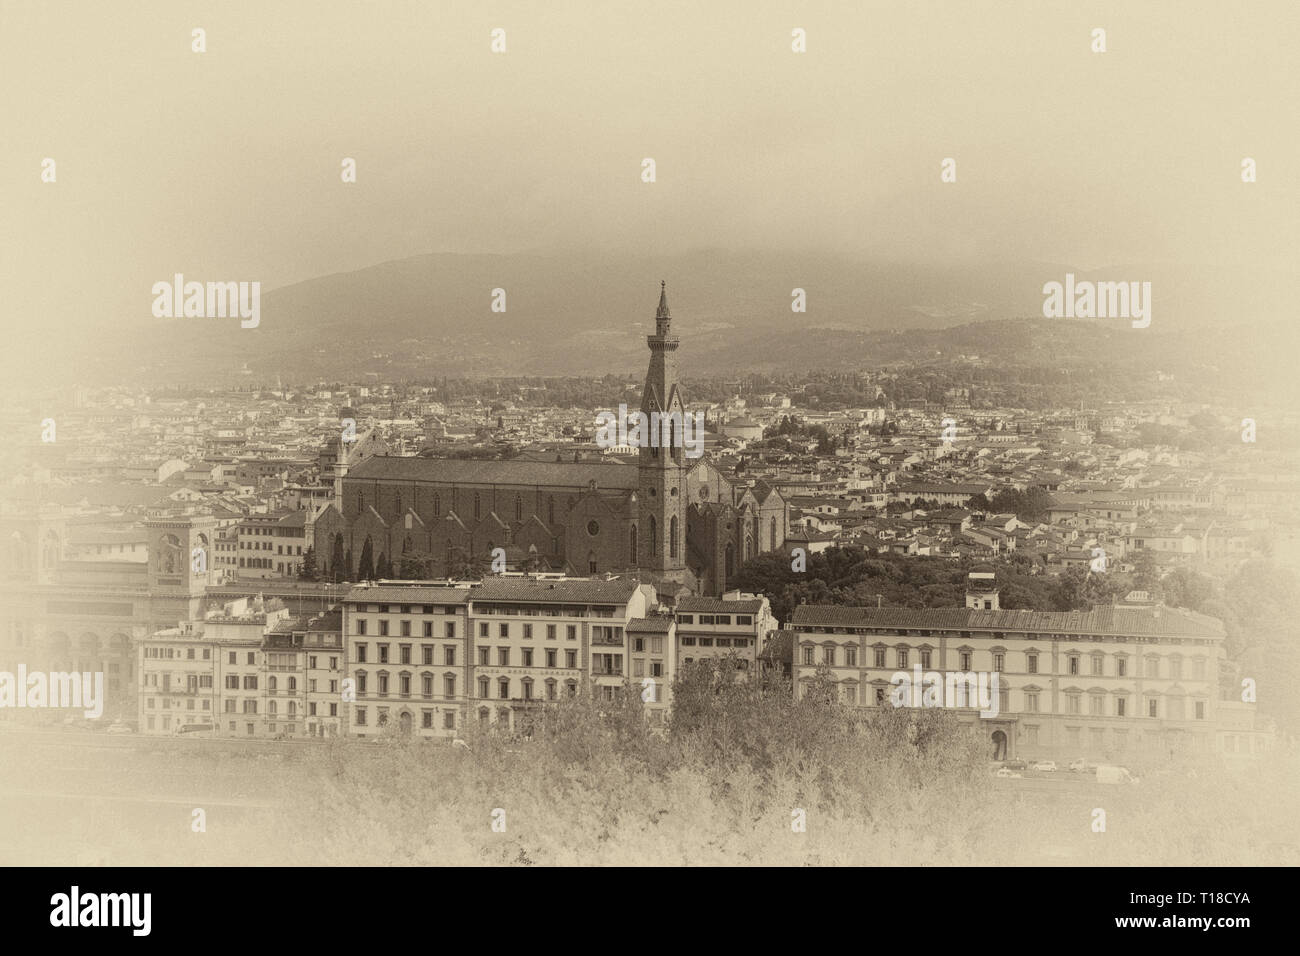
column 226, row 164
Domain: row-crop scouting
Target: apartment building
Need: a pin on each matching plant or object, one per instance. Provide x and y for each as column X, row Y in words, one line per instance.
column 272, row 545
column 213, row 674
column 405, row 659
column 1100, row 684
column 716, row 627
column 323, row 648
column 431, row 658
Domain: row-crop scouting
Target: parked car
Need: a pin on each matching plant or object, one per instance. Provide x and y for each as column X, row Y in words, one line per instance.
column 1044, row 766
column 1007, row 772
column 1109, row 774
column 1078, row 765
column 1017, row 765
column 182, row 729
column 120, row 727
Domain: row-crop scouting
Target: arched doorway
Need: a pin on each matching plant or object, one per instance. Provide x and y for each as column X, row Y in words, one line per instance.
column 999, row 745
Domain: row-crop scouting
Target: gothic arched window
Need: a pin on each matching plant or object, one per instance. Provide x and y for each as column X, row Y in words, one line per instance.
column 672, row 537
column 654, row 535
column 631, row 538
column 519, row 507
column 478, row 506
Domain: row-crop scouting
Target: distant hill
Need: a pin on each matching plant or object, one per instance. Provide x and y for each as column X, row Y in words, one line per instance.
column 429, row 316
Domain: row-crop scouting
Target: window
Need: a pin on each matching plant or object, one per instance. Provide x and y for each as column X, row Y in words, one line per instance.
column 449, row 656
column 1031, row 701
column 360, row 717
column 999, row 661
column 484, row 656
column 965, row 660
column 925, row 659
column 503, row 656
column 879, row 656
column 482, row 629
column 483, row 687
column 449, row 721
column 383, row 653
column 504, row 689
column 1032, row 660
column 902, row 657
column 808, row 655
column 851, row 656
column 828, row 655
column 1121, row 667
column 503, row 630
column 1121, row 706
column 571, row 632
column 1073, row 663
column 528, row 632
column 449, row 686
column 1200, row 710
column 1152, row 707
column 404, row 653
column 570, row 659
column 361, row 653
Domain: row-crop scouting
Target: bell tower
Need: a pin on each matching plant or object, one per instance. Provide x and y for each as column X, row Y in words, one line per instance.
column 661, row 460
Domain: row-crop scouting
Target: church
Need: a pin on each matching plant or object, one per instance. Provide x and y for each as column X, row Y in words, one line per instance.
column 674, row 521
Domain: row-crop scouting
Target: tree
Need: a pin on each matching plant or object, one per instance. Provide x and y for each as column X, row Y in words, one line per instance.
column 307, row 571
column 366, row 572
column 340, row 564
column 383, row 567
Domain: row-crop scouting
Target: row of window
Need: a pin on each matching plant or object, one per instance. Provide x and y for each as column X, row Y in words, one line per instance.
column 404, row 652
column 715, row 619
column 505, row 656
column 715, row 642
column 426, row 718
column 1074, row 662
column 404, row 684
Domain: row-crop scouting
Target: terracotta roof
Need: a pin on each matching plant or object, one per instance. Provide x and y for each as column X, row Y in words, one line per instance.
column 574, row 591
column 1169, row 622
column 659, row 624
column 401, row 594
column 708, row 605
column 468, row 471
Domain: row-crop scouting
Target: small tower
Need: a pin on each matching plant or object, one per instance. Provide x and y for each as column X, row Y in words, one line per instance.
column 982, row 591
column 662, row 470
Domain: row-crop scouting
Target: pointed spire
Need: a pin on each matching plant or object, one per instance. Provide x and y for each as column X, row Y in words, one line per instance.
column 662, row 312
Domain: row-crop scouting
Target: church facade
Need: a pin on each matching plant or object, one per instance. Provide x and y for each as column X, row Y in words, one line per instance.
column 671, row 520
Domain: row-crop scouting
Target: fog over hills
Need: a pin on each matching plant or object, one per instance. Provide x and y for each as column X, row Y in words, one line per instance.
column 430, row 315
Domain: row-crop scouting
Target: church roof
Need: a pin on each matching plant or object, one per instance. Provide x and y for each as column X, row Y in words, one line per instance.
column 471, row 471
